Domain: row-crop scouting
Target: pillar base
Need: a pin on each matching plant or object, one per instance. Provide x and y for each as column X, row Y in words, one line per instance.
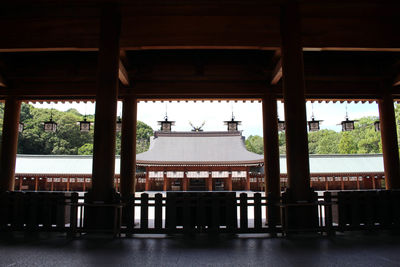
column 101, row 215
column 298, row 215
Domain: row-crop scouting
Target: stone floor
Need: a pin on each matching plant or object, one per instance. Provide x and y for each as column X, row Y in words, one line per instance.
column 349, row 249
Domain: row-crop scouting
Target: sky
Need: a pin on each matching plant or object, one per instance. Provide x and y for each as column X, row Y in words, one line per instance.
column 215, row 113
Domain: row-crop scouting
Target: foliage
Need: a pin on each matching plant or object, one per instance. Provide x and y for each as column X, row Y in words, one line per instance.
column 362, row 140
column 255, row 144
column 68, row 140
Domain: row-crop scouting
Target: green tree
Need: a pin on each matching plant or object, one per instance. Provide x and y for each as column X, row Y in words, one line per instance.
column 254, row 143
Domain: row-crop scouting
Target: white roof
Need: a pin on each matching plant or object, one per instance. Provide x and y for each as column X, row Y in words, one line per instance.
column 198, row 148
column 71, row 164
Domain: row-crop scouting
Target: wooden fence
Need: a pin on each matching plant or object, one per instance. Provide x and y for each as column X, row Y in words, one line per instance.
column 186, row 212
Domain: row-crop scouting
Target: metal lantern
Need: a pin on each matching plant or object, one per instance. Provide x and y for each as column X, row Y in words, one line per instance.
column 377, row 125
column 281, row 125
column 84, row 126
column 347, row 125
column 50, row 126
column 119, row 124
column 20, row 127
column 313, row 125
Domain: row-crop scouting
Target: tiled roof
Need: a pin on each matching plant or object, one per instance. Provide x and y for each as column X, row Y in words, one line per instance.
column 54, row 164
column 198, row 148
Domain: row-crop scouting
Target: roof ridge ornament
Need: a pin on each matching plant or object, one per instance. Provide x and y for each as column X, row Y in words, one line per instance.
column 198, row 128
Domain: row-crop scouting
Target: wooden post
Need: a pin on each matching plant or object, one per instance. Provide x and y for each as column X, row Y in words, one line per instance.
column 297, row 158
column 52, row 185
column 36, row 183
column 373, row 182
column 247, row 179
column 230, row 181
column 210, row 182
column 128, row 147
column 68, row 180
column 271, row 146
column 358, row 184
column 165, row 184
column 9, row 144
column 84, row 184
column 389, row 141
column 146, row 185
column 185, row 181
column 106, row 105
column 326, row 184
column 341, row 183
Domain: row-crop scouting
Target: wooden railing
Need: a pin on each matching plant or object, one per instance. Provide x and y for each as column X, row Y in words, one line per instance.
column 185, row 212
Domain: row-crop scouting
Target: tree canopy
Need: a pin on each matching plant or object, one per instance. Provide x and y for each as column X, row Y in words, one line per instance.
column 68, row 139
column 362, row 140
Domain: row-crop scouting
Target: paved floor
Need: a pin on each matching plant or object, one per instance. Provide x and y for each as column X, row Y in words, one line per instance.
column 350, row 249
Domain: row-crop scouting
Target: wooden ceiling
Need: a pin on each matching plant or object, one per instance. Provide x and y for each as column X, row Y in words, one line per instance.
column 199, row 49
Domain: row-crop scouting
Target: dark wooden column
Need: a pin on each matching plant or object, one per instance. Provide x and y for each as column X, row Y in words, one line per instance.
column 106, row 105
column 390, row 146
column 295, row 105
column 9, row 144
column 165, row 181
column 128, row 146
column 209, row 181
column 247, row 179
column 229, row 181
column 147, row 182
column 185, row 182
column 271, row 145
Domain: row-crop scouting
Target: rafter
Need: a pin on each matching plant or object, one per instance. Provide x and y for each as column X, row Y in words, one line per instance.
column 277, row 73
column 123, row 74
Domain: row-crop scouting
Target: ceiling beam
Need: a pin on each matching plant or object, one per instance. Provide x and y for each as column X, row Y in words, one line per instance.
column 123, row 74
column 277, row 73
column 2, row 81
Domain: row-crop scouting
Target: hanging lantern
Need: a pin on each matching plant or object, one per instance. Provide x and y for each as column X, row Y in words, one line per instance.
column 313, row 125
column 50, row 126
column 84, row 126
column 377, row 125
column 281, row 125
column 119, row 124
column 20, row 127
column 347, row 125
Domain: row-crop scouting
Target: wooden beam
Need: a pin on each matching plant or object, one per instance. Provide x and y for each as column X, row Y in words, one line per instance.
column 397, row 80
column 123, row 74
column 277, row 73
column 2, row 82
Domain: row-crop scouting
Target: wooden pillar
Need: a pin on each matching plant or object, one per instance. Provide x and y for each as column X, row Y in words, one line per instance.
column 271, row 146
column 373, row 182
column 358, row 184
column 326, row 184
column 209, row 181
column 52, row 185
column 341, row 183
column 390, row 146
column 84, row 184
column 165, row 184
column 146, row 185
column 106, row 105
column 9, row 143
column 36, row 183
column 229, row 181
column 247, row 179
column 298, row 170
column 128, row 146
column 185, row 182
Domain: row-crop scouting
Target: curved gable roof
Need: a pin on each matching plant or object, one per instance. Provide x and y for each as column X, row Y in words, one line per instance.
column 193, row 148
